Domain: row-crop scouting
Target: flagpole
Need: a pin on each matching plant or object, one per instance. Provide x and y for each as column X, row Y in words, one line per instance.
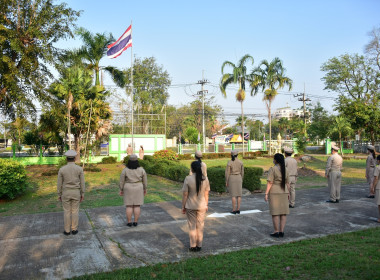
column 133, row 146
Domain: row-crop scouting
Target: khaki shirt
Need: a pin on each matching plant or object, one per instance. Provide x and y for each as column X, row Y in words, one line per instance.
column 234, row 167
column 129, row 151
column 376, row 174
column 204, row 170
column 70, row 177
column 141, row 153
column 194, row 201
column 334, row 163
column 291, row 166
column 275, row 177
column 133, row 176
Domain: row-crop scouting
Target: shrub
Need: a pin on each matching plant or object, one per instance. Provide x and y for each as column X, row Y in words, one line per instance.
column 13, row 180
column 251, row 179
column 216, row 176
column 148, row 158
column 92, row 168
column 185, row 157
column 107, row 160
column 177, row 172
column 125, row 160
column 62, row 162
column 165, row 154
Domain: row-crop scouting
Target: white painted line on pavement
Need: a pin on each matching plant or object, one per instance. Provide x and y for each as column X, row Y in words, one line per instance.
column 222, row 215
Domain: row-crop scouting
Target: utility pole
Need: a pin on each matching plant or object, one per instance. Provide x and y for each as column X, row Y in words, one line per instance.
column 202, row 82
column 303, row 99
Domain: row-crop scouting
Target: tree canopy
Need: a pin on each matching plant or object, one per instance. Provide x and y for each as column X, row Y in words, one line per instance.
column 28, row 31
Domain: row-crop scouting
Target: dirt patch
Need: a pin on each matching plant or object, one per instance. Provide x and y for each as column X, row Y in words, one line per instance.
column 306, row 172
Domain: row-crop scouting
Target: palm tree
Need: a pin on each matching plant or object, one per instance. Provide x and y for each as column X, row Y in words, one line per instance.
column 238, row 76
column 269, row 77
column 94, row 49
column 341, row 126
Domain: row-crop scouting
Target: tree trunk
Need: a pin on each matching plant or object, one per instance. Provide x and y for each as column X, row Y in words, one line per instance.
column 242, row 123
column 77, row 147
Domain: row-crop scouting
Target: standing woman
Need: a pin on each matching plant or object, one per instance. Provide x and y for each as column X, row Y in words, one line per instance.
column 133, row 182
column 195, row 204
column 278, row 194
column 198, row 156
column 141, row 152
column 376, row 185
column 370, row 168
column 234, row 181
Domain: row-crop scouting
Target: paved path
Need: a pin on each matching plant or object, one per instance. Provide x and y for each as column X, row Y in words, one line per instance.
column 33, row 246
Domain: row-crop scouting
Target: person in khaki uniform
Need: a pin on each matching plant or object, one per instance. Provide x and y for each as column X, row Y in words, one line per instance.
column 129, row 149
column 70, row 188
column 333, row 174
column 198, row 156
column 195, row 204
column 375, row 188
column 141, row 152
column 234, row 181
column 277, row 192
column 133, row 184
column 292, row 169
column 370, row 168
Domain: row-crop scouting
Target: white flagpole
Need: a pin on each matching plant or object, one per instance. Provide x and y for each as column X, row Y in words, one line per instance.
column 133, row 146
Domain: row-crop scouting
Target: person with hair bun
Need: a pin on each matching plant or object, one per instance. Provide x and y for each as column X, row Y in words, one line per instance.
column 376, row 185
column 198, row 156
column 370, row 168
column 277, row 193
column 234, row 181
column 133, row 184
column 195, row 204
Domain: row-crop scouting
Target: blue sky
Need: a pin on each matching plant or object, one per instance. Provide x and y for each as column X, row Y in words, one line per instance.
column 188, row 37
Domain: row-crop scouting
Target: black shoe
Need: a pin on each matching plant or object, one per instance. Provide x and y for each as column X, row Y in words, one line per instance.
column 129, row 224
column 281, row 234
column 74, row 232
column 66, row 233
column 331, row 201
column 371, row 196
column 237, row 211
column 233, row 212
column 337, row 201
column 192, row 249
column 198, row 249
column 275, row 234
column 134, row 224
column 290, row 206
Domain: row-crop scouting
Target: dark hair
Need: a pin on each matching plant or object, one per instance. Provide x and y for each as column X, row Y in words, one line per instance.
column 142, row 148
column 373, row 153
column 197, row 169
column 198, row 158
column 133, row 164
column 288, row 154
column 279, row 158
column 233, row 157
column 378, row 157
column 70, row 159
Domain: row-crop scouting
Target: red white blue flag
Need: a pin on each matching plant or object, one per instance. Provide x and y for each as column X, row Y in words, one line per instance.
column 123, row 43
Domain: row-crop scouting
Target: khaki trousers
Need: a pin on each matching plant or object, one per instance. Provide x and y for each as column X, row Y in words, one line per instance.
column 196, row 222
column 334, row 183
column 70, row 204
column 292, row 191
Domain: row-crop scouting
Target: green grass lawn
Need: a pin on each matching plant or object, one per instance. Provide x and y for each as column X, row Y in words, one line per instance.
column 354, row 255
column 102, row 187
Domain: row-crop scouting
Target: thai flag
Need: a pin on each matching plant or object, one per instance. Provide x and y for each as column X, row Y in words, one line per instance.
column 246, row 136
column 214, row 135
column 229, row 137
column 123, row 43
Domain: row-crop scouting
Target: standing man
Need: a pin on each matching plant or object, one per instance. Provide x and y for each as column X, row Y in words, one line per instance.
column 333, row 174
column 70, row 188
column 129, row 150
column 292, row 169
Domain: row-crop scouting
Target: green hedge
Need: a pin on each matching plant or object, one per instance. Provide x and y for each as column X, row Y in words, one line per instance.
column 107, row 160
column 173, row 170
column 13, row 180
column 247, row 155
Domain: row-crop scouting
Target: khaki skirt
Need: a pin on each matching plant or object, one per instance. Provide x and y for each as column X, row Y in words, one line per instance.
column 235, row 185
column 278, row 204
column 377, row 197
column 133, row 194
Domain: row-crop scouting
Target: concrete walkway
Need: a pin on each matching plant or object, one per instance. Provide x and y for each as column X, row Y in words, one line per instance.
column 33, row 246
